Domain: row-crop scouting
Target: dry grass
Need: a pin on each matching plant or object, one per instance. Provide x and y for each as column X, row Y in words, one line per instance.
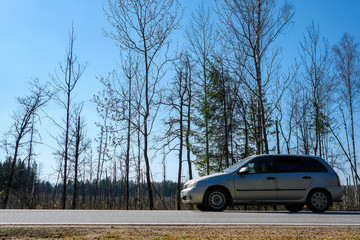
column 179, row 232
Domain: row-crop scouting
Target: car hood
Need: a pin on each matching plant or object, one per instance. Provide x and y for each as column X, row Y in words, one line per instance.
column 204, row 178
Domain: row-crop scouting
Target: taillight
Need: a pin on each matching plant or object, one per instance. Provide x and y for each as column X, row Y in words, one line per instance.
column 338, row 180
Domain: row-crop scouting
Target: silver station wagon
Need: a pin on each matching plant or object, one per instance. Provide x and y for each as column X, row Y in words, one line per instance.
column 291, row 180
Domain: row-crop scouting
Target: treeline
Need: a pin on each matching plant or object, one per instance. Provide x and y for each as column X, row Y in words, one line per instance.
column 223, row 95
column 28, row 191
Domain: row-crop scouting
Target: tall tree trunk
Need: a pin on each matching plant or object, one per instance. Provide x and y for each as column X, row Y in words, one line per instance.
column 178, row 195
column 277, row 137
column 188, row 129
column 206, row 107
column 226, row 127
column 77, row 153
column 127, row 163
column 257, row 62
column 146, row 133
column 138, row 170
column 63, row 199
column 98, row 166
column 353, row 136
column 187, row 140
column 70, row 85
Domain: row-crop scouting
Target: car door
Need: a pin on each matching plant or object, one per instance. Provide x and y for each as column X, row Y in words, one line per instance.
column 258, row 183
column 293, row 179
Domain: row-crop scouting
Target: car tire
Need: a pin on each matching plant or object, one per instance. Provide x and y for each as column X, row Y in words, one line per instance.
column 294, row 208
column 318, row 201
column 216, row 200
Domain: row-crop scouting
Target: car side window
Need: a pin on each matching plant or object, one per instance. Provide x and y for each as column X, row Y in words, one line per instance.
column 314, row 165
column 261, row 165
column 287, row 164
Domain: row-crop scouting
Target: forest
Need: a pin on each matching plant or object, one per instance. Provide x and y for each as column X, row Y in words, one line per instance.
column 223, row 95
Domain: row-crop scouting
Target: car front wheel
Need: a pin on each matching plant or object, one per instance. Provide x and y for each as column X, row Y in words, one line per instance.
column 216, row 200
column 318, row 201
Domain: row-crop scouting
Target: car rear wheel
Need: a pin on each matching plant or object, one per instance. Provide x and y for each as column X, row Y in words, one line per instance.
column 294, row 208
column 216, row 200
column 318, row 201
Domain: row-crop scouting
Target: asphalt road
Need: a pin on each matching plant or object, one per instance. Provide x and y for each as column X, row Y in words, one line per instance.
column 84, row 217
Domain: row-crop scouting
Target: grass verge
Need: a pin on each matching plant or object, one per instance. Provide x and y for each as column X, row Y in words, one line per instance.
column 178, row 232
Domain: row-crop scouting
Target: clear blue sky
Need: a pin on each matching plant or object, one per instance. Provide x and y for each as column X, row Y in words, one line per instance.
column 34, row 37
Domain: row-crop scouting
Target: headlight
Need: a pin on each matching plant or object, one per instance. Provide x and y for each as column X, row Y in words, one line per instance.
column 190, row 184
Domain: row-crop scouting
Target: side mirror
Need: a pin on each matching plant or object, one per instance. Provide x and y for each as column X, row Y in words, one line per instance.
column 243, row 170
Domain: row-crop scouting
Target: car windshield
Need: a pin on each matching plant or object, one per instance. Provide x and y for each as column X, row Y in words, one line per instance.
column 237, row 165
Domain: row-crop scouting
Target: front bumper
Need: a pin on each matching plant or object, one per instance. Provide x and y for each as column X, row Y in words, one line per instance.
column 193, row 195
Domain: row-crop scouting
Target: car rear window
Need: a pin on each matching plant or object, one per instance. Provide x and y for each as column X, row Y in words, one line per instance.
column 313, row 165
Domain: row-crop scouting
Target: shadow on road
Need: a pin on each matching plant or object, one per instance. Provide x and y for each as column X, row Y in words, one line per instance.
column 301, row 212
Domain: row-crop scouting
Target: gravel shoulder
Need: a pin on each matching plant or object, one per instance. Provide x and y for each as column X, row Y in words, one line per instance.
column 178, row 232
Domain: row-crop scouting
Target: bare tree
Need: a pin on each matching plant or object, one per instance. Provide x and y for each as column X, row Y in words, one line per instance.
column 144, row 26
column 286, row 99
column 176, row 102
column 23, row 119
column 346, row 56
column 253, row 26
column 287, row 118
column 103, row 149
column 81, row 145
column 130, row 68
column 64, row 85
column 117, row 103
column 319, row 82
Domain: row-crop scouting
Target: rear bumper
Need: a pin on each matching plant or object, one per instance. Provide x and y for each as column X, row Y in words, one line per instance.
column 337, row 193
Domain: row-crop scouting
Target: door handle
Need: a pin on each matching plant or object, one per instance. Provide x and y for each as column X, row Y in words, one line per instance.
column 306, row 177
column 270, row 178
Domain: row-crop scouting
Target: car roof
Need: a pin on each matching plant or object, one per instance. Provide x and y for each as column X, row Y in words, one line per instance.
column 288, row 155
